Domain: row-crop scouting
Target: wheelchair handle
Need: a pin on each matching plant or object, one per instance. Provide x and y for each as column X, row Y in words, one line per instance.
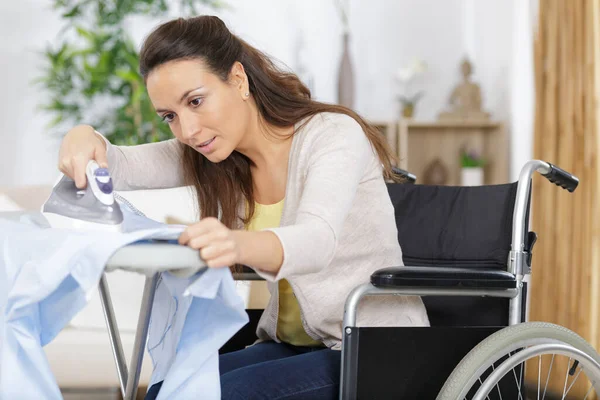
column 410, row 178
column 555, row 175
column 561, row 178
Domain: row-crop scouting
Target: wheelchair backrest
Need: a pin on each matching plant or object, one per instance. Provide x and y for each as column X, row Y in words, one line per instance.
column 456, row 227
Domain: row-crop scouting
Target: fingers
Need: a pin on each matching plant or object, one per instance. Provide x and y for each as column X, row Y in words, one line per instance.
column 66, row 167
column 194, row 231
column 74, row 168
column 80, row 145
column 216, row 251
column 79, row 165
column 100, row 157
column 226, row 260
column 215, row 242
column 202, row 241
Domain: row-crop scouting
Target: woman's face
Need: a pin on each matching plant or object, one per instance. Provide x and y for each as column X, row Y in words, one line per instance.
column 202, row 111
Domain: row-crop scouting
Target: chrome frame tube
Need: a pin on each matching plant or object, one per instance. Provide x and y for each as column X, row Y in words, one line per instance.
column 517, row 257
column 521, row 203
column 113, row 333
column 129, row 378
column 359, row 292
column 140, row 337
column 368, row 289
column 515, row 307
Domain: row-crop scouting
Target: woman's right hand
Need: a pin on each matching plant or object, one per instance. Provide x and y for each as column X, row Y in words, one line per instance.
column 80, row 145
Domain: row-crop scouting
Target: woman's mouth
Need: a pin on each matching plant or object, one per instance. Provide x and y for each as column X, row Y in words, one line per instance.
column 206, row 147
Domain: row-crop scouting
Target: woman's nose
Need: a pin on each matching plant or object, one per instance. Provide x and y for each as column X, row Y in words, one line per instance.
column 189, row 128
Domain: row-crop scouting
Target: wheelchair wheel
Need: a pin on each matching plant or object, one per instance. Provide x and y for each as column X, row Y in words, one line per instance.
column 539, row 346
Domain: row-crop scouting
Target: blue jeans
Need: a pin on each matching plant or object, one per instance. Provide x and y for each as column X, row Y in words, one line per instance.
column 270, row 370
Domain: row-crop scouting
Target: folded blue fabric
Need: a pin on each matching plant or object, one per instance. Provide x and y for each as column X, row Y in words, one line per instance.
column 47, row 276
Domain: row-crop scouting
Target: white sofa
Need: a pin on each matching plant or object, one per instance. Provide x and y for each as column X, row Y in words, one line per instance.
column 81, row 355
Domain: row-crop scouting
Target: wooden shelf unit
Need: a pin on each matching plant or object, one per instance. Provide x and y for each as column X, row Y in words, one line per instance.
column 417, row 144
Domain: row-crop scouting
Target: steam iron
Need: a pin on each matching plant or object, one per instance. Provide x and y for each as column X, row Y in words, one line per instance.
column 92, row 208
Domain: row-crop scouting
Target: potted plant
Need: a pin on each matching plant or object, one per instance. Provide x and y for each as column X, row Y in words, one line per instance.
column 406, row 76
column 91, row 70
column 472, row 164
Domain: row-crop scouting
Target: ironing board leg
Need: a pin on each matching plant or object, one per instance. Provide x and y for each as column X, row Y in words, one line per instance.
column 141, row 335
column 113, row 333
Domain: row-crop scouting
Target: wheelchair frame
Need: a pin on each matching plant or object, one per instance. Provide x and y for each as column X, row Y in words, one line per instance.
column 517, row 266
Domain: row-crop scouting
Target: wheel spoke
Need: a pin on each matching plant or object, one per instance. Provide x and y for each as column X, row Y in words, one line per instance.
column 518, row 385
column 566, row 379
column 573, row 383
column 548, row 378
column 521, row 376
column 588, row 392
column 539, row 375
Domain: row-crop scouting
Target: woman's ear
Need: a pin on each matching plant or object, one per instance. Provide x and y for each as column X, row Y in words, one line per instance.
column 238, row 77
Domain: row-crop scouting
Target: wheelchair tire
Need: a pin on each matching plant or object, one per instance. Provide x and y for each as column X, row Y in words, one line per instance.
column 500, row 344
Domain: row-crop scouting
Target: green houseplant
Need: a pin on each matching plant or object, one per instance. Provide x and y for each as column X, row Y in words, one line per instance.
column 472, row 168
column 471, row 159
column 91, row 71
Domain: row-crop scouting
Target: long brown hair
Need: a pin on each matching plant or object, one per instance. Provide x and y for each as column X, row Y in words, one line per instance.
column 281, row 98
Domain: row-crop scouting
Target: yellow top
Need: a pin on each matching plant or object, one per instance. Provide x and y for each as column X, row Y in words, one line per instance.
column 289, row 323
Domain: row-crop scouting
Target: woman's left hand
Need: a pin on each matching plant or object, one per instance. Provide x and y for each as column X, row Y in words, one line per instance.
column 219, row 246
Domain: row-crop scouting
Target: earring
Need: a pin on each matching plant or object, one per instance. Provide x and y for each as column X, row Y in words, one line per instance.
column 247, row 94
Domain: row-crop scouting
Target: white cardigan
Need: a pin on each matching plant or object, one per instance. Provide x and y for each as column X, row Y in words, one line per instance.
column 337, row 227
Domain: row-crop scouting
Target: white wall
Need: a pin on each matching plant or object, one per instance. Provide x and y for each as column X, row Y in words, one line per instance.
column 385, row 35
column 27, row 153
column 522, row 86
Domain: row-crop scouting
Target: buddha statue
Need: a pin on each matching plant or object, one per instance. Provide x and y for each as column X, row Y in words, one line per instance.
column 465, row 100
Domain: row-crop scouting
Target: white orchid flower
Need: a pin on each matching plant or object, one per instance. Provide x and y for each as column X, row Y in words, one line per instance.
column 404, row 75
column 418, row 66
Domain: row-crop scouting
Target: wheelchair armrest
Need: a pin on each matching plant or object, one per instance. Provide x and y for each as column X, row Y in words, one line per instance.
column 247, row 274
column 438, row 277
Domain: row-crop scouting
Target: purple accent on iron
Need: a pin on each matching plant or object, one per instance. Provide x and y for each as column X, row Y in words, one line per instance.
column 105, row 187
column 101, row 172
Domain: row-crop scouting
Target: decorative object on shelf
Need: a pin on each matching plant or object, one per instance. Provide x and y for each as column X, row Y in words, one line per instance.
column 436, row 173
column 407, row 76
column 465, row 103
column 417, row 144
column 472, row 164
column 346, row 71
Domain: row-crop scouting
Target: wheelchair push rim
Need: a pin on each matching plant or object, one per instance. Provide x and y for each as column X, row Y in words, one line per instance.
column 536, row 342
column 578, row 362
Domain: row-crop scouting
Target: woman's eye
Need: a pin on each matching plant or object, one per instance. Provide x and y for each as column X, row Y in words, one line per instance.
column 168, row 117
column 196, row 102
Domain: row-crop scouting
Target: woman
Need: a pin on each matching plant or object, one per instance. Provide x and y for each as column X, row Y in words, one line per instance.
column 297, row 186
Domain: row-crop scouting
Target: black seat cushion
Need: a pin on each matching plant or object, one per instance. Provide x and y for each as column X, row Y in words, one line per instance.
column 444, row 277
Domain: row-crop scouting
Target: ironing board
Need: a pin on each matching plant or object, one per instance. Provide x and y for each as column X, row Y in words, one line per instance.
column 148, row 258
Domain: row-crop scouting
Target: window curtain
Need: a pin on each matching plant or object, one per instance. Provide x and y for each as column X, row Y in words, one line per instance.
column 565, row 281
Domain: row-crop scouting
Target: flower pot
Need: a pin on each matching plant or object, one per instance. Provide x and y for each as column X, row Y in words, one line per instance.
column 471, row 176
column 408, row 110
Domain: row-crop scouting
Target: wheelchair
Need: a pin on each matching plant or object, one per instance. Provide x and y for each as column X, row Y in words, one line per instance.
column 467, row 251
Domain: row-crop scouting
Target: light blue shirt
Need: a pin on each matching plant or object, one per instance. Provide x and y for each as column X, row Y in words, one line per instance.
column 47, row 277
